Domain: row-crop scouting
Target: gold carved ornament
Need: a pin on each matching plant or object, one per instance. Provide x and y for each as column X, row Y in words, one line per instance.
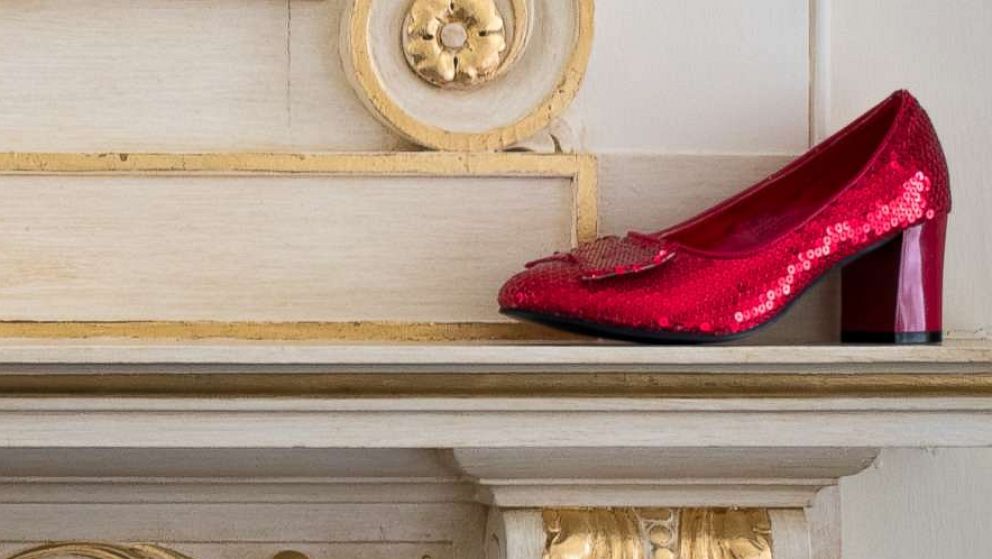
column 436, row 33
column 658, row 534
column 90, row 550
column 461, row 43
column 95, row 550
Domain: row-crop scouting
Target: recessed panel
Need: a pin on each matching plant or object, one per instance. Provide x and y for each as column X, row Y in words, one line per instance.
column 270, row 248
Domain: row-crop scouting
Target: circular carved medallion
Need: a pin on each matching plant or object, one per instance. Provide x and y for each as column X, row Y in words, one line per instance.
column 467, row 75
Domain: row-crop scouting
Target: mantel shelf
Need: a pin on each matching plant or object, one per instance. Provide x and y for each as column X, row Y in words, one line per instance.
column 224, row 394
column 960, row 356
column 529, row 425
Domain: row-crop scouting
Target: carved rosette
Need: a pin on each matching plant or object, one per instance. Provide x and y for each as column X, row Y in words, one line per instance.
column 467, row 75
column 454, row 42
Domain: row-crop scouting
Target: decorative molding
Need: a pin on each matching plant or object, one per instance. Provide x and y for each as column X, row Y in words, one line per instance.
column 725, row 534
column 511, row 478
column 91, row 550
column 658, row 534
column 601, row 385
column 624, row 533
column 949, row 358
column 599, row 533
column 661, row 529
column 581, row 170
column 593, row 534
column 360, row 331
column 376, row 86
column 462, row 43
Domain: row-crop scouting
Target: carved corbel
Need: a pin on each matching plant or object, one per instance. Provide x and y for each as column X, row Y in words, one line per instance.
column 628, row 533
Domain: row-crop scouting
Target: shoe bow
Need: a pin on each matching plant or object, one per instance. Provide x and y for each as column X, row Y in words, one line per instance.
column 610, row 257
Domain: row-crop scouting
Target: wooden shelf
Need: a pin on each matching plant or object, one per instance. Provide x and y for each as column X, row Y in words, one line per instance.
column 436, row 430
column 237, row 394
column 952, row 357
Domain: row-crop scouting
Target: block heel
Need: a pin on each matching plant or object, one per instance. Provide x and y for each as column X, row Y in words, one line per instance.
column 894, row 294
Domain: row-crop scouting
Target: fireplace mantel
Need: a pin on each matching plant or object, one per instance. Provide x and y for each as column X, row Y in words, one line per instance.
column 511, row 432
column 250, row 250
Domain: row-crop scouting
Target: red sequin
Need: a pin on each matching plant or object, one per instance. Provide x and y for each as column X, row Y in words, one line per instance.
column 734, row 267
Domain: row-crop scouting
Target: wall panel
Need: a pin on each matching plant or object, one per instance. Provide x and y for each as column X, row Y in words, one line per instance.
column 91, row 248
column 939, row 50
column 91, row 75
column 683, row 76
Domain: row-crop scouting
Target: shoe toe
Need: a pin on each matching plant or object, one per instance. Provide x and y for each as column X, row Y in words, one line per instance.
column 550, row 288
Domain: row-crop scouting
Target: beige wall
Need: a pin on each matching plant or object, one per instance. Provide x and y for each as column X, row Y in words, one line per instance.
column 684, row 100
column 667, row 79
column 916, row 503
column 941, row 51
column 920, row 503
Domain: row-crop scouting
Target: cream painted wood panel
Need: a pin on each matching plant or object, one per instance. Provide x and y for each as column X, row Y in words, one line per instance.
column 257, row 529
column 188, row 75
column 515, row 429
column 164, row 489
column 654, row 493
column 790, row 533
column 51, row 356
column 683, row 76
column 302, row 465
column 323, row 111
column 84, row 75
column 824, row 516
column 241, row 523
column 494, row 466
column 268, row 248
column 920, row 503
column 651, row 191
column 940, row 51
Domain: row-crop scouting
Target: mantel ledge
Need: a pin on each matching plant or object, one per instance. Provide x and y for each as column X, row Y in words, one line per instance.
column 953, row 356
column 220, row 394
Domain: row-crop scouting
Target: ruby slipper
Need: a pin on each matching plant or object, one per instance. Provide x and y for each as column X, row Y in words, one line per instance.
column 873, row 199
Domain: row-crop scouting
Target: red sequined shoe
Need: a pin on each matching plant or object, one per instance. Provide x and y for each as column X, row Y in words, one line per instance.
column 872, row 199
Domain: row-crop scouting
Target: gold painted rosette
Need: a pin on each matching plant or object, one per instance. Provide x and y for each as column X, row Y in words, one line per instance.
column 467, row 75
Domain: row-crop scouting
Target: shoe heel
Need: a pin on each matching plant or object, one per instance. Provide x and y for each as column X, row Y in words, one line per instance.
column 894, row 294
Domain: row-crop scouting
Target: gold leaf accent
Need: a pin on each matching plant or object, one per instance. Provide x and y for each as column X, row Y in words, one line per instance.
column 93, row 550
column 592, row 534
column 725, row 534
column 375, row 94
column 581, row 171
column 471, row 63
column 657, row 534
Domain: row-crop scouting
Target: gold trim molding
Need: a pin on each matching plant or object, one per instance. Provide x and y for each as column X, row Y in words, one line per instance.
column 362, row 331
column 658, row 533
column 113, row 382
column 581, row 170
column 91, row 550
